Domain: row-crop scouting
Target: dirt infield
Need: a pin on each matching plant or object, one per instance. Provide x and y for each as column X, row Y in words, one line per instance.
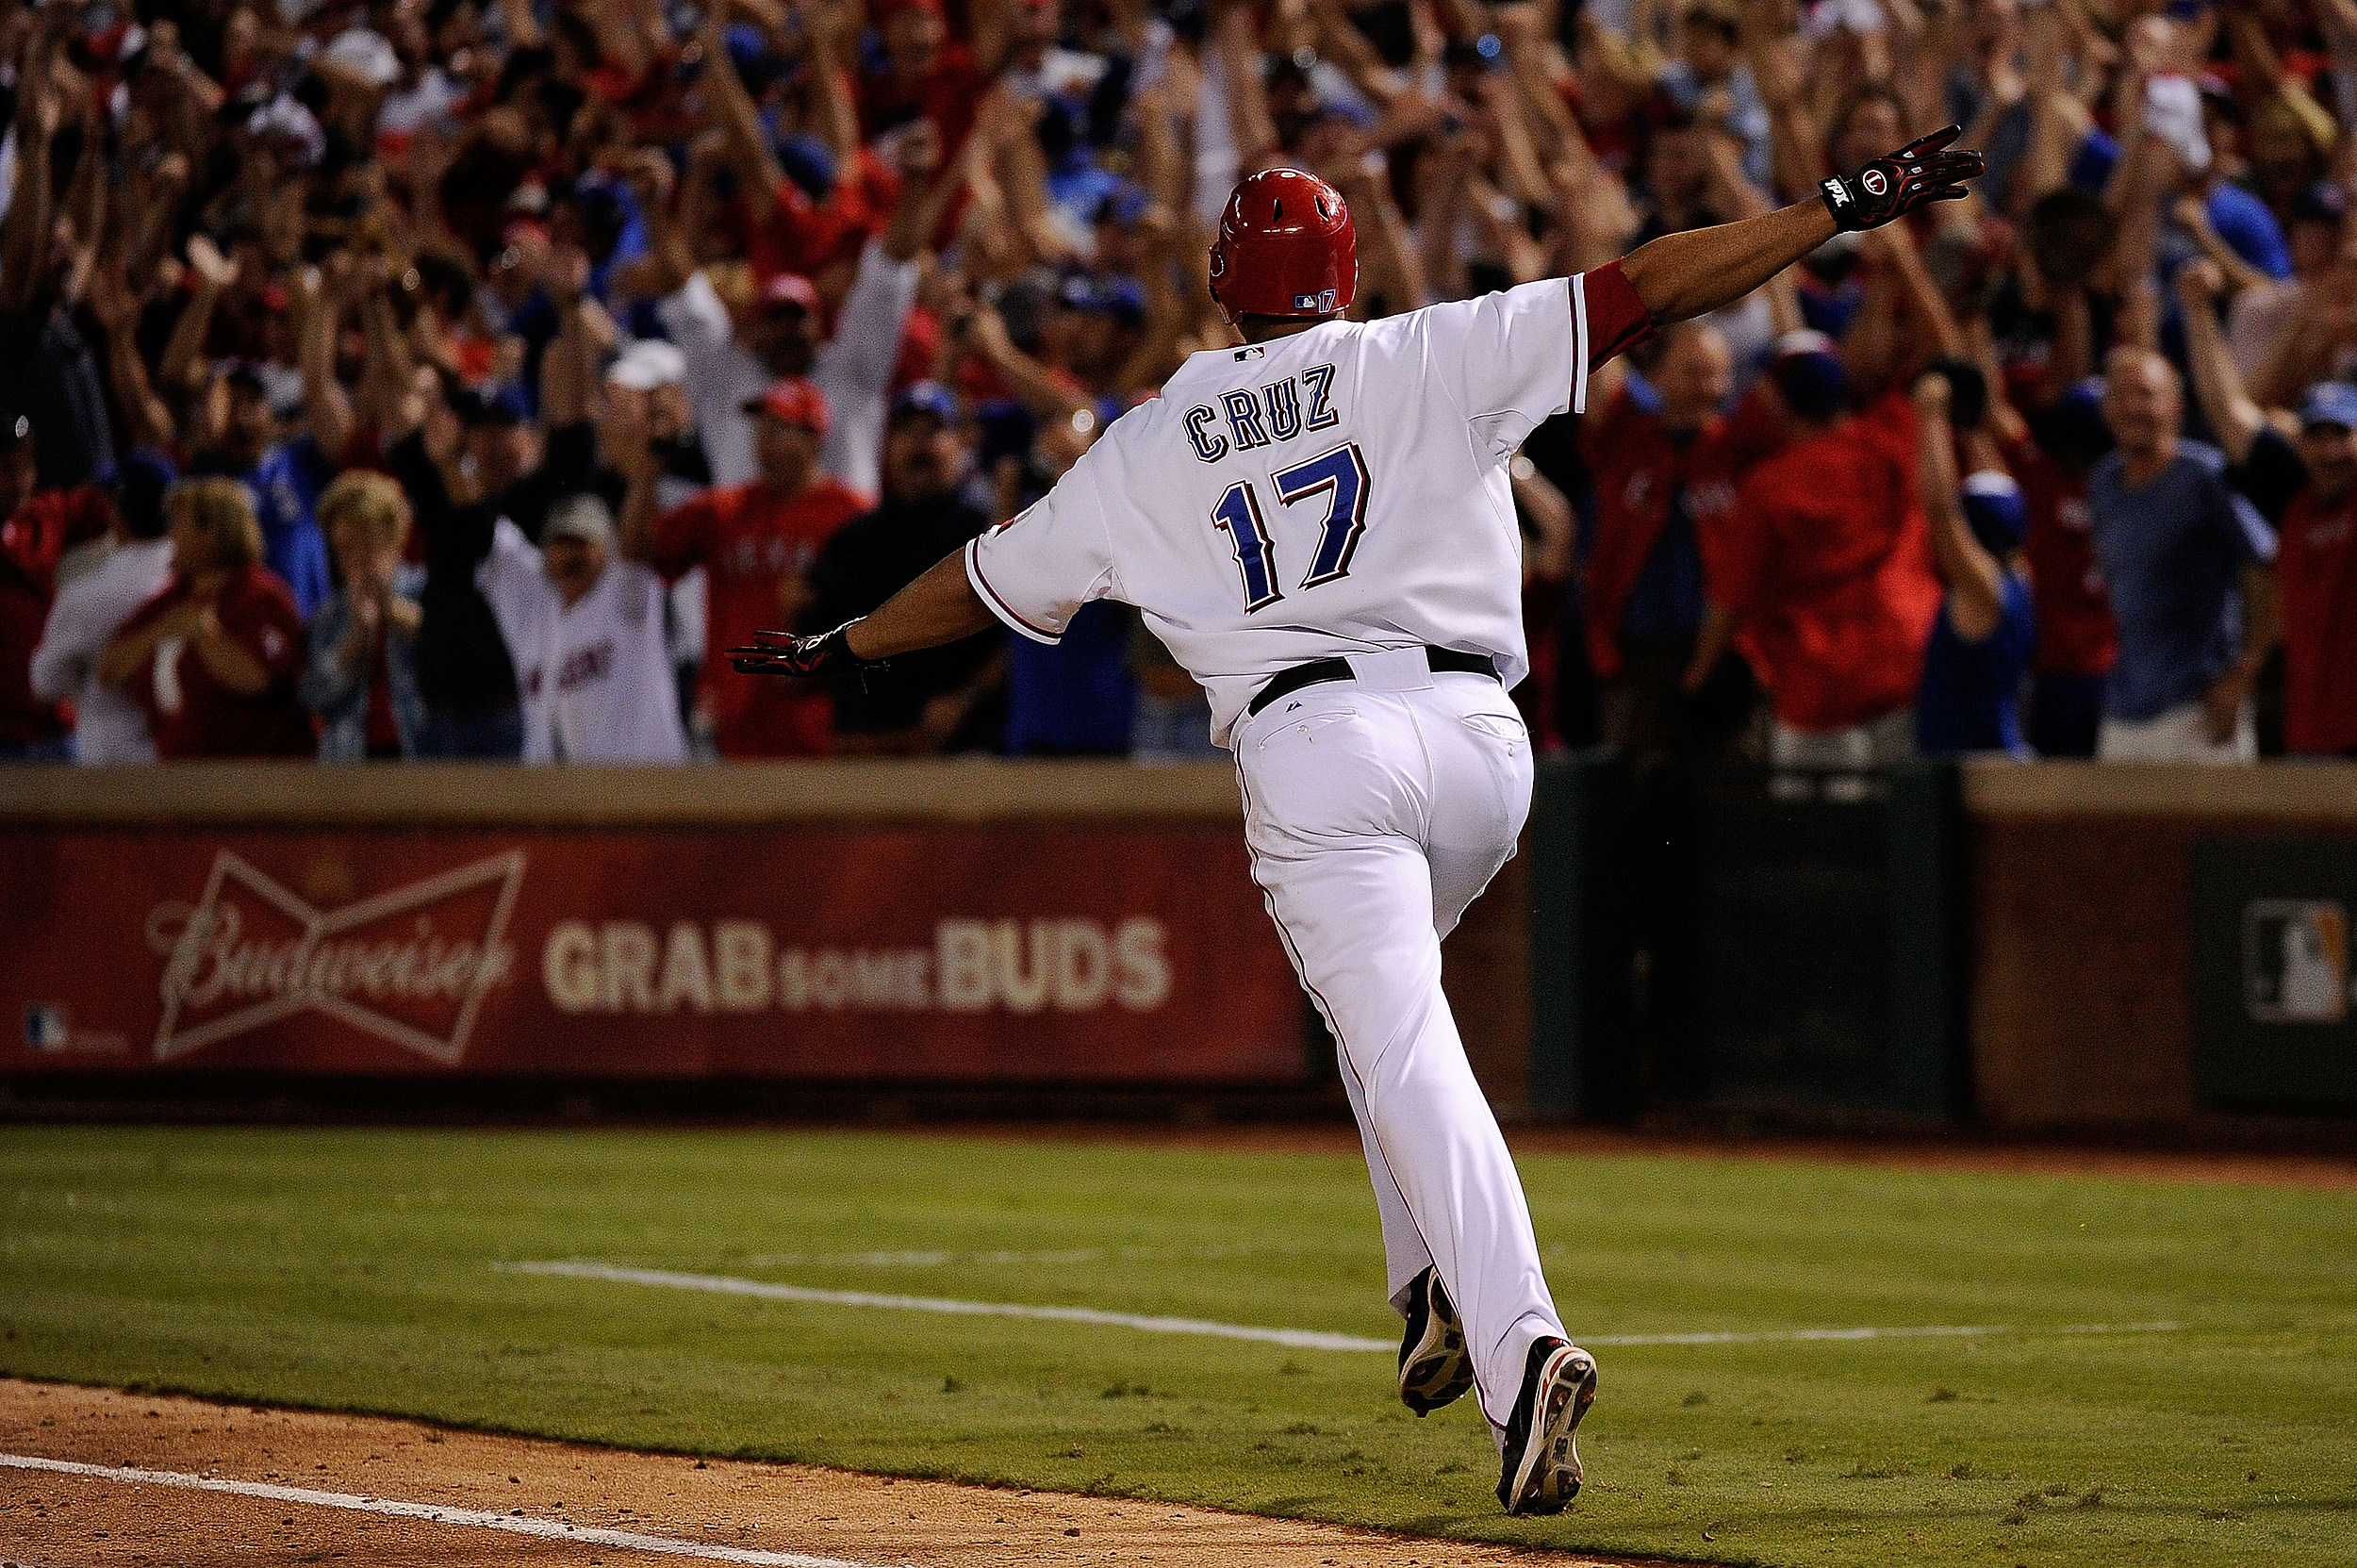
column 649, row 1508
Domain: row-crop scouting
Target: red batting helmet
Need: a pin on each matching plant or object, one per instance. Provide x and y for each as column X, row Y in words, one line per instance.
column 1285, row 248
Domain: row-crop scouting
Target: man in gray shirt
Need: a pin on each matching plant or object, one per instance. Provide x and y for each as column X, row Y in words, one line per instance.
column 2186, row 560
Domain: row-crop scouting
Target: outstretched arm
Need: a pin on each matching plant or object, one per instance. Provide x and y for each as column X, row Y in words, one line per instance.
column 941, row 606
column 1686, row 275
column 1695, row 272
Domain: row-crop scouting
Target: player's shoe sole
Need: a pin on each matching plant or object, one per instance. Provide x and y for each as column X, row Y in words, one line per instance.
column 1540, row 1473
column 1434, row 1369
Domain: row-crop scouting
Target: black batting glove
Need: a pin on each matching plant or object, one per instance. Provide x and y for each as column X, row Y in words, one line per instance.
column 813, row 657
column 1892, row 186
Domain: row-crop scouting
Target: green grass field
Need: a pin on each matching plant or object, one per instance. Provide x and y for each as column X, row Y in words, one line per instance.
column 354, row 1270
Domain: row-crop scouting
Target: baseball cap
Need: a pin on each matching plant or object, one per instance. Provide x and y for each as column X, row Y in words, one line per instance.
column 789, row 289
column 2172, row 113
column 1828, row 17
column 365, row 54
column 1808, row 374
column 1807, row 340
column 809, row 162
column 244, row 375
column 647, row 364
column 2072, row 430
column 795, row 399
column 925, row 397
column 584, row 516
column 1994, row 509
column 290, row 122
column 1126, row 205
column 499, row 405
column 757, row 64
column 1119, row 297
column 2328, row 403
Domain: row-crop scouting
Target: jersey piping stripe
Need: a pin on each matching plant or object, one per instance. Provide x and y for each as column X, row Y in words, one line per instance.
column 1268, row 899
column 1579, row 344
column 997, row 606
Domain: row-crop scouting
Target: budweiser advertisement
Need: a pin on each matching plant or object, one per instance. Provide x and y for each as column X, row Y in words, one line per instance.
column 1091, row 955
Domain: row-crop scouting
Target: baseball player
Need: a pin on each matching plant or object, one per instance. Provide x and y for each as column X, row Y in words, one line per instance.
column 1318, row 525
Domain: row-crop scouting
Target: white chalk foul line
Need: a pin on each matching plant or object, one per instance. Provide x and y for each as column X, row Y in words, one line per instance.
column 1965, row 1331
column 1299, row 1339
column 721, row 1284
column 547, row 1530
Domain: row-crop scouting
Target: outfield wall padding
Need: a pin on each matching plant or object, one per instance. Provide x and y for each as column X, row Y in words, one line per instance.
column 987, row 922
column 2043, row 946
column 2112, row 986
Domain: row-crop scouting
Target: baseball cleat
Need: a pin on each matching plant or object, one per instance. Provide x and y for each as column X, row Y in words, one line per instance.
column 1434, row 1369
column 1541, row 1468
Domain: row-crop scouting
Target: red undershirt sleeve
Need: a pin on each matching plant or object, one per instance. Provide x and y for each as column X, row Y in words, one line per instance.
column 1607, row 317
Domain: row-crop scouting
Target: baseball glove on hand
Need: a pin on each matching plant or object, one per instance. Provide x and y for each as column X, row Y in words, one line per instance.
column 1892, row 186
column 813, row 657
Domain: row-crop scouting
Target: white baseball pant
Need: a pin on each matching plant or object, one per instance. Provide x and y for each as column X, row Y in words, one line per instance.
column 1377, row 809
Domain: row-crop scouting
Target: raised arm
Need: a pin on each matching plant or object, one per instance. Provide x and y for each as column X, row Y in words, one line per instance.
column 23, row 233
column 117, row 309
column 214, row 273
column 326, row 403
column 738, row 118
column 1686, row 275
column 1975, row 582
column 2218, row 387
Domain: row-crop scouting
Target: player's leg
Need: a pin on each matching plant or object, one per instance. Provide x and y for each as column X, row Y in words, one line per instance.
column 1339, row 799
column 1479, row 756
column 1481, row 771
column 1404, row 1255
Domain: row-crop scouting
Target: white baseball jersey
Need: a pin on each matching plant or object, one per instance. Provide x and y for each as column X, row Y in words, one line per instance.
column 109, row 726
column 1338, row 491
column 595, row 678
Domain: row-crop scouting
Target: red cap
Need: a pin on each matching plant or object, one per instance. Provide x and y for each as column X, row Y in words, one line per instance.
column 515, row 231
column 1285, row 248
column 790, row 289
column 795, row 399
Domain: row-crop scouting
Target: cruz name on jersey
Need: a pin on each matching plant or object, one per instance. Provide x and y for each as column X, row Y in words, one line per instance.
column 1277, row 412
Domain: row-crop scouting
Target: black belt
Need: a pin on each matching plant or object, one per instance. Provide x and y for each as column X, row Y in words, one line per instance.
column 1319, row 671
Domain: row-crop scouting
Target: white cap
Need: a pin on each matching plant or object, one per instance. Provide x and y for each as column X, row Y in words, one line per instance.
column 647, row 364
column 365, row 54
column 580, row 517
column 1827, row 17
column 2172, row 112
column 1802, row 340
column 284, row 118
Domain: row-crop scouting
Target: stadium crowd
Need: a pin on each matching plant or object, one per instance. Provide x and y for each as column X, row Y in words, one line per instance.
column 445, row 378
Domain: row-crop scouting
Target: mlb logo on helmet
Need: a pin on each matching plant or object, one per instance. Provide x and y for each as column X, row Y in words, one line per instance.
column 1875, row 181
column 1321, row 302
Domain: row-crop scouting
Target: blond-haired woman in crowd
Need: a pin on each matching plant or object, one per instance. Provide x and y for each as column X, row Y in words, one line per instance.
column 361, row 680
column 214, row 657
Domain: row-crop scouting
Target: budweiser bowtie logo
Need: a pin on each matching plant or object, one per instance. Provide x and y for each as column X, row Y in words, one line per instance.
column 410, row 967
